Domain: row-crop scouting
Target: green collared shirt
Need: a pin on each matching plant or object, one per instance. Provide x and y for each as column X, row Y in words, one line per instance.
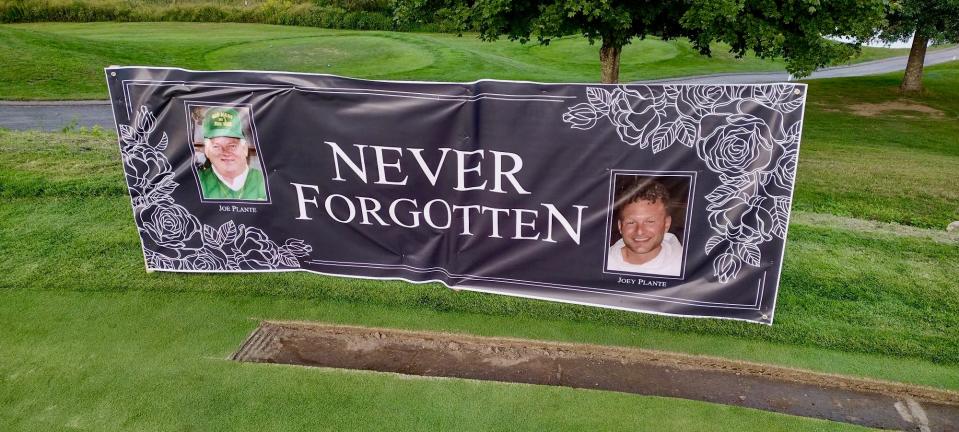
column 254, row 189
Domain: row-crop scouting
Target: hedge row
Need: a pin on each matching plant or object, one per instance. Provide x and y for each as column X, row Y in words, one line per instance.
column 338, row 14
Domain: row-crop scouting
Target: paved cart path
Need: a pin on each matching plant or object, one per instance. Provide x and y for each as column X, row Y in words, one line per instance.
column 57, row 115
column 892, row 64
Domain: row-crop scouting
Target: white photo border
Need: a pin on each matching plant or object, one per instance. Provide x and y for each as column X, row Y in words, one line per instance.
column 691, row 175
column 188, row 107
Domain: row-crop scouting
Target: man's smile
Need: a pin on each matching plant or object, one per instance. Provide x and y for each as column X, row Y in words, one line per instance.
column 643, row 225
column 228, row 156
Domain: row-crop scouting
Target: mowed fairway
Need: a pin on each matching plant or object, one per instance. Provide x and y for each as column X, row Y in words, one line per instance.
column 90, row 341
column 66, row 61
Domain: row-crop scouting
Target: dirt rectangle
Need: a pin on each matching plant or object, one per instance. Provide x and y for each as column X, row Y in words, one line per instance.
column 646, row 372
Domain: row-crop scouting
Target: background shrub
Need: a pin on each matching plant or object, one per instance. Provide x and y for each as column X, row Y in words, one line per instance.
column 337, row 14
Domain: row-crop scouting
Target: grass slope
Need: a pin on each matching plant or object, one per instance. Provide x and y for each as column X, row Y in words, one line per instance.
column 896, row 166
column 155, row 361
column 65, row 61
column 91, row 341
column 66, row 222
column 828, row 301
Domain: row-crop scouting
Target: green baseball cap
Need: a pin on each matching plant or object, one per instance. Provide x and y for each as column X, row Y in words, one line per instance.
column 222, row 122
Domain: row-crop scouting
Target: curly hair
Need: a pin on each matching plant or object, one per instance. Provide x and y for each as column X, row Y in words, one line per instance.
column 640, row 189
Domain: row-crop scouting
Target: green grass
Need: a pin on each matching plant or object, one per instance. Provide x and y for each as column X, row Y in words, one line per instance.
column 156, row 361
column 66, row 60
column 65, row 233
column 899, row 166
column 91, row 341
column 843, row 290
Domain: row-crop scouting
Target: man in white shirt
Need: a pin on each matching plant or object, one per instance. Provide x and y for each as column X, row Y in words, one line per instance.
column 643, row 220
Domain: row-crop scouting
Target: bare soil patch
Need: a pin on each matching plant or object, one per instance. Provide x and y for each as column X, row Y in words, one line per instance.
column 791, row 391
column 905, row 108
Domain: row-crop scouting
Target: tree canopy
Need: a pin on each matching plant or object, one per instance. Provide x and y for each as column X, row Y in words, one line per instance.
column 936, row 20
column 793, row 30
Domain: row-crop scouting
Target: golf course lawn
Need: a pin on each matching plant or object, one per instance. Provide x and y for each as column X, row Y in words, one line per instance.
column 141, row 360
column 66, row 61
column 90, row 341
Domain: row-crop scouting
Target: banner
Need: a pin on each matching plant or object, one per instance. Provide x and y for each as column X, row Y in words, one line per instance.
column 668, row 199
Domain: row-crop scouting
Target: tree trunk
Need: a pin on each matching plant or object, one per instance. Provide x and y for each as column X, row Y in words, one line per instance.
column 912, row 80
column 609, row 62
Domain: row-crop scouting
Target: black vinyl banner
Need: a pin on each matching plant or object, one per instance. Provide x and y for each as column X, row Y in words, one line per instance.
column 668, row 199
